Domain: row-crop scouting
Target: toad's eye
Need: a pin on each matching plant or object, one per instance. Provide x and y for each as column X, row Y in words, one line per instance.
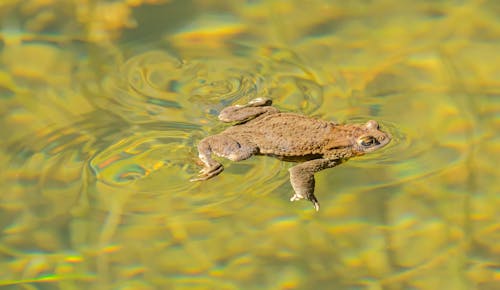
column 368, row 141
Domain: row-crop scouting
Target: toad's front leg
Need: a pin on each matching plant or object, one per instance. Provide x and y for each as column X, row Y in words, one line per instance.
column 302, row 179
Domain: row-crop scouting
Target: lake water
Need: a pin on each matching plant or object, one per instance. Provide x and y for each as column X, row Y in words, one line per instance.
column 102, row 104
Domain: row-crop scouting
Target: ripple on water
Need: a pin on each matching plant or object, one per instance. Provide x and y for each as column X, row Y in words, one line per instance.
column 147, row 150
column 410, row 155
column 241, row 184
column 45, row 174
column 139, row 93
column 156, row 86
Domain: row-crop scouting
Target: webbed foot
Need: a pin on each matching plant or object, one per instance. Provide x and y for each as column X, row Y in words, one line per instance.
column 259, row 102
column 311, row 198
column 208, row 172
column 252, row 109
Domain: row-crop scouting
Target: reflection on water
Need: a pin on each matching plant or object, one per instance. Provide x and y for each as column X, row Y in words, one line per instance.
column 101, row 111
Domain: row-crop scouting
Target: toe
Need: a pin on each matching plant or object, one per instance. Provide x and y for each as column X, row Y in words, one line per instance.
column 260, row 102
column 208, row 172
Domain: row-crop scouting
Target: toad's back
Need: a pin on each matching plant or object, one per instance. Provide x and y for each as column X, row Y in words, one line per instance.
column 285, row 134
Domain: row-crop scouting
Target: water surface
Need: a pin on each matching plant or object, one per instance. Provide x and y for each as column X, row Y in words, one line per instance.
column 103, row 103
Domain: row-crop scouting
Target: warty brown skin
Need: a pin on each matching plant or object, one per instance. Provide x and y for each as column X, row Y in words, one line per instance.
column 264, row 130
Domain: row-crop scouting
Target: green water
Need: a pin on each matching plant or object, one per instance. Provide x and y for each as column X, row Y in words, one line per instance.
column 102, row 104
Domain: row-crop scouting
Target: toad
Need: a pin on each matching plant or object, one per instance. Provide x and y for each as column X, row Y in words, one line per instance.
column 262, row 129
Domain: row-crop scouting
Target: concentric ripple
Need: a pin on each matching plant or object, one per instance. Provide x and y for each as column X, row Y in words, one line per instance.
column 411, row 154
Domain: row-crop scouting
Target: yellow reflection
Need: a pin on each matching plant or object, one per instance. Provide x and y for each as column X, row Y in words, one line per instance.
column 208, row 33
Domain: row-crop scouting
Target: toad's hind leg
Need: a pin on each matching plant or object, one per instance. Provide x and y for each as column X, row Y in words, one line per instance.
column 222, row 146
column 248, row 111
